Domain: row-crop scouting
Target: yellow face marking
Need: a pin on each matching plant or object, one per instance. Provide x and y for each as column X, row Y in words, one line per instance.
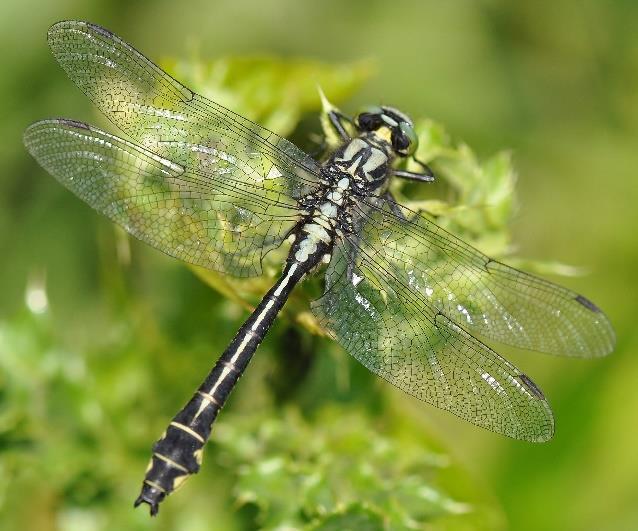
column 384, row 133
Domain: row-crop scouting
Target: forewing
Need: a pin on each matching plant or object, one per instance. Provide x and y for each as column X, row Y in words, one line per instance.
column 208, row 219
column 482, row 295
column 170, row 120
column 395, row 332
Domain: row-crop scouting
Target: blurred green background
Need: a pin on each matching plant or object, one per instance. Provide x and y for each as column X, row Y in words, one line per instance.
column 88, row 384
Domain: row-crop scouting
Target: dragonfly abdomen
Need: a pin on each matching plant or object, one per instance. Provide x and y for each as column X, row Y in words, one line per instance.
column 178, row 453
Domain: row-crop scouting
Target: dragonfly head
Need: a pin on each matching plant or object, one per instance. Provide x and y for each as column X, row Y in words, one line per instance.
column 392, row 126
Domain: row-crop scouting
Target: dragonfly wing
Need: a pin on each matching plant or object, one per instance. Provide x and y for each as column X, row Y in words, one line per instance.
column 170, row 120
column 204, row 219
column 482, row 295
column 396, row 333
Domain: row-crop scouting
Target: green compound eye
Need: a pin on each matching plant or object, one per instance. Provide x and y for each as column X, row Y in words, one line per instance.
column 409, row 133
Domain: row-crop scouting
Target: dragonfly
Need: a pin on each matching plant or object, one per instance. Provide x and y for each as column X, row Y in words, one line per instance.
column 407, row 299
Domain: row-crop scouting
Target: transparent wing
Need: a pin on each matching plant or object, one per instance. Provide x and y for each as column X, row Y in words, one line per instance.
column 241, row 168
column 482, row 295
column 395, row 332
column 201, row 218
column 167, row 118
column 164, row 116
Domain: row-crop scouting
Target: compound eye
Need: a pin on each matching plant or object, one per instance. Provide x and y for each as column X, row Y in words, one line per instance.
column 410, row 135
column 400, row 142
column 367, row 121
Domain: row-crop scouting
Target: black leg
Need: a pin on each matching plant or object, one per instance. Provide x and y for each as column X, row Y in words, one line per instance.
column 426, row 176
column 413, row 176
column 336, row 120
column 352, row 254
column 394, row 207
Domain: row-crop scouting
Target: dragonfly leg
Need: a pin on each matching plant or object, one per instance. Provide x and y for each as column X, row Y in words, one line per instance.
column 351, row 256
column 394, row 207
column 336, row 121
column 427, row 175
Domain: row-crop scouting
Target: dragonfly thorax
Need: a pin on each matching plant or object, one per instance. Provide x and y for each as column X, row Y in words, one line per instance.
column 365, row 161
column 359, row 168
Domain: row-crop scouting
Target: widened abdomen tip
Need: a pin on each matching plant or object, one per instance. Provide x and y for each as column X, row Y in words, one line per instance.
column 151, row 496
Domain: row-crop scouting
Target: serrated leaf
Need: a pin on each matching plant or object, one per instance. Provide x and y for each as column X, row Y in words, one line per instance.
column 352, row 518
column 298, row 475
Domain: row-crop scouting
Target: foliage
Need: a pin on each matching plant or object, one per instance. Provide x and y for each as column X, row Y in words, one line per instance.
column 298, row 476
column 75, row 433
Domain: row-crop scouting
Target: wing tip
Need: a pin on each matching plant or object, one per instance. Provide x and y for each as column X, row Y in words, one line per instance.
column 610, row 343
column 65, row 25
column 587, row 303
column 531, row 386
column 544, row 436
column 100, row 29
column 73, row 123
column 544, row 428
column 67, row 122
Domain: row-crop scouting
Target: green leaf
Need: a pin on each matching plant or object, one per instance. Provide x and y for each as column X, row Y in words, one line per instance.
column 334, row 470
column 355, row 517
